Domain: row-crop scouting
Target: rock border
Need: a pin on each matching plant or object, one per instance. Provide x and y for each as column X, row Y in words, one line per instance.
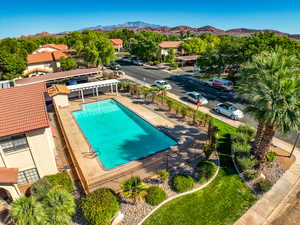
column 184, row 193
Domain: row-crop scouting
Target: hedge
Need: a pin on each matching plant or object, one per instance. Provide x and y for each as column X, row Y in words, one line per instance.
column 206, row 169
column 100, row 207
column 182, row 183
column 155, row 195
column 61, row 179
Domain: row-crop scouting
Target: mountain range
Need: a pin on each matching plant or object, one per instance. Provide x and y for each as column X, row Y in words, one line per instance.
column 139, row 25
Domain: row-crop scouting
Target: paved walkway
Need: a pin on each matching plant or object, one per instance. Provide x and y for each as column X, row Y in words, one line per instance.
column 275, row 202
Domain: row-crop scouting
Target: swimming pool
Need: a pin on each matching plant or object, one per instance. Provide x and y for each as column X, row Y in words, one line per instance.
column 118, row 135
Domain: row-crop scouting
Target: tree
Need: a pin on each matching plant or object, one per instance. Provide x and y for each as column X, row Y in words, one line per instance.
column 28, row 211
column 134, row 188
column 59, row 206
column 145, row 49
column 271, row 82
column 194, row 46
column 68, row 64
column 11, row 65
column 171, row 57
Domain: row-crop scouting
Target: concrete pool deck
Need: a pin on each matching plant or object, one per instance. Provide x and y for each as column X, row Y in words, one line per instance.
column 87, row 165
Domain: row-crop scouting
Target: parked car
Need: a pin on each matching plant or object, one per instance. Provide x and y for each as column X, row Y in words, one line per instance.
column 219, row 83
column 162, row 83
column 137, row 62
column 194, row 96
column 229, row 110
column 119, row 73
column 115, row 66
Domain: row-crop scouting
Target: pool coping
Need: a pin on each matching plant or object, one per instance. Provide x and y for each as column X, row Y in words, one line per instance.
column 90, row 174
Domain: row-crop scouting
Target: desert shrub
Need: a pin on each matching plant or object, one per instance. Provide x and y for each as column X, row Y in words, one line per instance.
column 134, row 188
column 245, row 163
column 182, row 183
column 250, row 174
column 183, row 112
column 208, row 149
column 206, row 169
column 164, row 174
column 240, row 138
column 271, row 156
column 100, row 206
column 264, row 185
column 173, row 66
column 170, row 104
column 40, row 188
column 247, row 130
column 155, row 195
column 155, row 62
column 241, row 149
column 62, row 180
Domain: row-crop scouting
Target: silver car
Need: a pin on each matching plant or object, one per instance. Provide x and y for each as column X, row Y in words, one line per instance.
column 194, row 96
column 229, row 110
column 163, row 84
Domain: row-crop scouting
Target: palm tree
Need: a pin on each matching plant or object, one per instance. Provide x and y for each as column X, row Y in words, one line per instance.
column 134, row 189
column 59, row 206
column 271, row 82
column 28, row 211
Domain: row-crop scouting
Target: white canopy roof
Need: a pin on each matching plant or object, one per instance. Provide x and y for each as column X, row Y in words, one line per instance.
column 91, row 85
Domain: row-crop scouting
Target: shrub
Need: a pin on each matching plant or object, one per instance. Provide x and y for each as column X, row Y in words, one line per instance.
column 164, row 174
column 271, row 156
column 241, row 149
column 61, row 179
column 134, row 188
column 240, row 138
column 264, row 186
column 173, row 66
column 183, row 112
column 155, row 195
column 245, row 163
column 40, row 188
column 206, row 169
column 100, row 206
column 250, row 174
column 183, row 183
column 248, row 131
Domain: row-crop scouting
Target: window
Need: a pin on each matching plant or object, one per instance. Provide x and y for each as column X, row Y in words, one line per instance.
column 14, row 143
column 28, row 176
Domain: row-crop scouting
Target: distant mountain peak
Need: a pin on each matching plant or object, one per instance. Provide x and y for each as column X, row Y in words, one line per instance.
column 130, row 24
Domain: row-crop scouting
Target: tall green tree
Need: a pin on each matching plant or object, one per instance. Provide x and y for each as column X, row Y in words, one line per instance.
column 171, row 57
column 194, row 46
column 11, row 65
column 271, row 82
column 144, row 49
column 68, row 64
column 28, row 211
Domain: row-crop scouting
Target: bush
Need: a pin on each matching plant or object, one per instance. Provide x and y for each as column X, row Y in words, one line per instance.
column 208, row 150
column 245, row 163
column 271, row 156
column 240, row 138
column 241, row 149
column 206, row 169
column 250, row 174
column 164, row 174
column 173, row 66
column 100, row 206
column 248, row 131
column 40, row 188
column 182, row 183
column 155, row 195
column 61, row 179
column 264, row 186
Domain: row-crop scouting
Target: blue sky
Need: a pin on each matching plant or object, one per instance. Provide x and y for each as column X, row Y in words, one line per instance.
column 22, row 17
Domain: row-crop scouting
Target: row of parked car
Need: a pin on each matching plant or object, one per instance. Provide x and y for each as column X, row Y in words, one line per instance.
column 226, row 109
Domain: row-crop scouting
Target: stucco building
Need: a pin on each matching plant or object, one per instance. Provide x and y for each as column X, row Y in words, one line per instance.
column 166, row 45
column 27, row 151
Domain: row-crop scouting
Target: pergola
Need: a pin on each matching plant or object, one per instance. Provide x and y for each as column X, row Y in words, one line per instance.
column 94, row 86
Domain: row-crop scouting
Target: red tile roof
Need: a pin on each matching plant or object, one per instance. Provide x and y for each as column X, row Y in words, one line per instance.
column 170, row 44
column 58, row 75
column 45, row 57
column 117, row 41
column 22, row 109
column 56, row 46
column 9, row 175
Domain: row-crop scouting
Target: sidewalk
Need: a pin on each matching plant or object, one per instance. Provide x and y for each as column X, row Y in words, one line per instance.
column 275, row 201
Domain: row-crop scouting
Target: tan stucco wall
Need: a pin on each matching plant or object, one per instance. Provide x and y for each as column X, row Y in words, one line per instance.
column 20, row 159
column 12, row 189
column 42, row 147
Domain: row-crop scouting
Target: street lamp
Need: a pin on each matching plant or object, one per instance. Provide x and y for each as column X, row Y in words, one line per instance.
column 295, row 144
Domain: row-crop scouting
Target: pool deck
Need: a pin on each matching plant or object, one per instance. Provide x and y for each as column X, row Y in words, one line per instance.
column 89, row 169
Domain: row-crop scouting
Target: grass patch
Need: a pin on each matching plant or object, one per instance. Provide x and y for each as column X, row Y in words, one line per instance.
column 222, row 202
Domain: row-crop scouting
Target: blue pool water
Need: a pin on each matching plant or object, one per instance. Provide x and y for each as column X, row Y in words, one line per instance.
column 117, row 134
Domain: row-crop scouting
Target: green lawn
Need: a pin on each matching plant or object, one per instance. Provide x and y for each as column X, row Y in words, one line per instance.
column 220, row 203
